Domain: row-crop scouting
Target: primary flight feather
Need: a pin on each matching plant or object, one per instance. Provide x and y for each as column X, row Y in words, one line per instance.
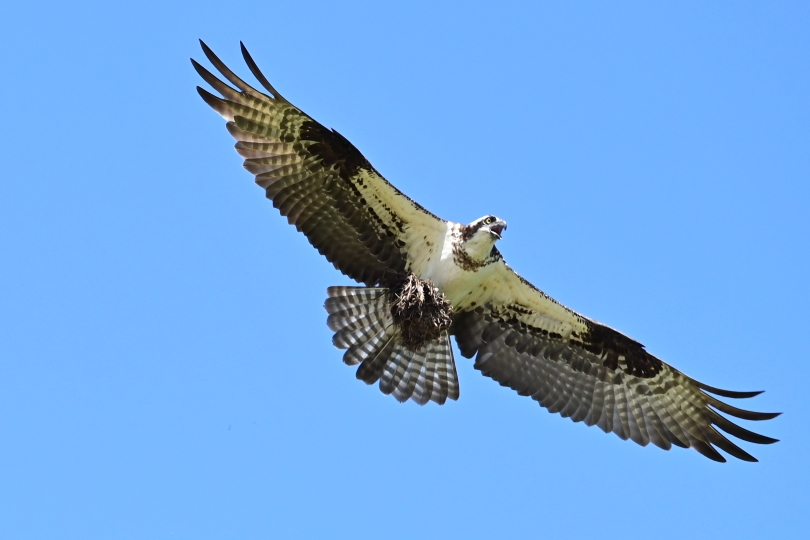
column 427, row 279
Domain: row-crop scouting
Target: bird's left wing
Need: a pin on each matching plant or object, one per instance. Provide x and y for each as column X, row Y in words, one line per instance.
column 362, row 224
column 591, row 373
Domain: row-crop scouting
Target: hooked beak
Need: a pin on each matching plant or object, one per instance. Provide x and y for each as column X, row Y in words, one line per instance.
column 497, row 229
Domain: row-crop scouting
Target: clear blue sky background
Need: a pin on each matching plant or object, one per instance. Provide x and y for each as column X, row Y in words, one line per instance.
column 165, row 366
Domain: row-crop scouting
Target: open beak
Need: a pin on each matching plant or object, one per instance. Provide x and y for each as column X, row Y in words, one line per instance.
column 498, row 229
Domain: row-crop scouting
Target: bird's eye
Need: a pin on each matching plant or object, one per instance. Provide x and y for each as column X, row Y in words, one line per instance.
column 489, row 220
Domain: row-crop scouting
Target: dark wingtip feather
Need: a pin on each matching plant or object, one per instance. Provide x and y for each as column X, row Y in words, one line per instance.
column 708, row 451
column 214, row 102
column 717, row 439
column 258, row 74
column 739, row 432
column 207, row 51
column 738, row 452
column 208, row 97
column 196, row 65
column 227, row 73
column 726, row 393
column 218, row 85
column 739, row 413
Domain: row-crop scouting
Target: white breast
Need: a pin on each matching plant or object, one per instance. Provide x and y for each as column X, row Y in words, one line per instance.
column 437, row 263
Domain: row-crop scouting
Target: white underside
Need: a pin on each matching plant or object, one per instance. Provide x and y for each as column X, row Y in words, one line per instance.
column 437, row 263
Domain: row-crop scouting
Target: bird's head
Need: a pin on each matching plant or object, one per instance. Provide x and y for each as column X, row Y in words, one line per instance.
column 480, row 236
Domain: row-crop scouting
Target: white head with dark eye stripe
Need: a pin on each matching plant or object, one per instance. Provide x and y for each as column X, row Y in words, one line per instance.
column 479, row 237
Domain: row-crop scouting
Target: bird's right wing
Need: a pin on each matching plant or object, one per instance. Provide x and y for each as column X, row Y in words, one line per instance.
column 590, row 373
column 361, row 223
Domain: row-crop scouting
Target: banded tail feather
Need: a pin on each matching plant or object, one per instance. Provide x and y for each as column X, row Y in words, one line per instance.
column 363, row 324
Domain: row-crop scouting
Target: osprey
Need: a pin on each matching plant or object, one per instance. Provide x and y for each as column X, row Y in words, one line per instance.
column 426, row 279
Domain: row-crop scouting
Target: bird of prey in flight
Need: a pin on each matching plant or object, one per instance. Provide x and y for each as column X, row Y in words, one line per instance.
column 425, row 279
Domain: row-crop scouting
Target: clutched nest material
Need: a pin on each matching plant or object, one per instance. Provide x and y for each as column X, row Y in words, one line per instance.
column 420, row 311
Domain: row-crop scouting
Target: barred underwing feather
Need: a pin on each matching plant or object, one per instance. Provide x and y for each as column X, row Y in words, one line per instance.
column 596, row 404
column 605, row 421
column 249, row 150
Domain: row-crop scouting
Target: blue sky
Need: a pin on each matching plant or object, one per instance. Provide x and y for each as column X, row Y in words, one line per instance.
column 165, row 366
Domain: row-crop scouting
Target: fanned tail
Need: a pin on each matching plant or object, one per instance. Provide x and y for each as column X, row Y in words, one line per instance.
column 363, row 325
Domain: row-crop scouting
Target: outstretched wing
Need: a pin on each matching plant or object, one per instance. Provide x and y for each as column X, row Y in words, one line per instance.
column 591, row 373
column 319, row 180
